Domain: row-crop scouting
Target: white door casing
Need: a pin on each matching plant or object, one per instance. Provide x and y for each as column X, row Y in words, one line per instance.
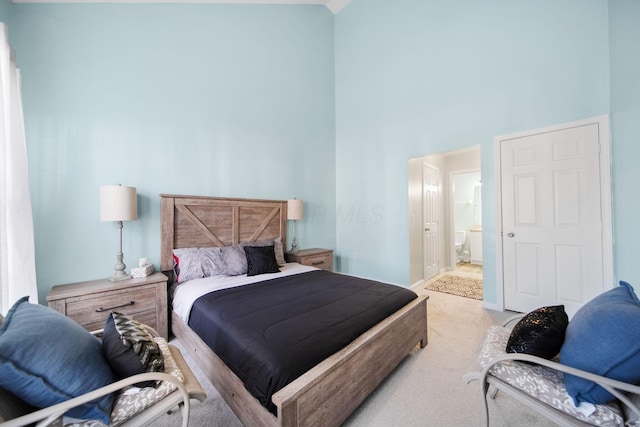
column 554, row 216
column 430, row 190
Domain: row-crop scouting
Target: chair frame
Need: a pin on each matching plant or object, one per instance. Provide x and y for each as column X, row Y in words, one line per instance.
column 189, row 389
column 617, row 388
column 48, row 415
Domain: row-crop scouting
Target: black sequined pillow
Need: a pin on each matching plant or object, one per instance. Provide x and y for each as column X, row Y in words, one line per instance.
column 539, row 333
column 130, row 349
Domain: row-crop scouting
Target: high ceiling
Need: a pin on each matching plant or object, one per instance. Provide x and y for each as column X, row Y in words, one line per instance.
column 333, row 5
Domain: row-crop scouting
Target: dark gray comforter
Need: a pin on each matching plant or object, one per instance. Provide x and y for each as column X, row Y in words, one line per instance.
column 270, row 333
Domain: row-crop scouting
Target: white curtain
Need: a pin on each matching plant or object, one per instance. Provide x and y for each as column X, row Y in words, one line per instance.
column 17, row 252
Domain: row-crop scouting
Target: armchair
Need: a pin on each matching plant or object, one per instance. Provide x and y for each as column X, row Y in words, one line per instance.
column 50, row 366
column 188, row 389
column 539, row 384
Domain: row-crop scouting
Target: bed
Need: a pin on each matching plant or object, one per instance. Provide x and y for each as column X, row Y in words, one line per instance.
column 327, row 393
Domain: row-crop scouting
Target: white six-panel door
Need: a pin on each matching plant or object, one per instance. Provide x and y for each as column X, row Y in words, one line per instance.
column 552, row 225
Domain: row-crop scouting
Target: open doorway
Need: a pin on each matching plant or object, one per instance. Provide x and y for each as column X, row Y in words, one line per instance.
column 466, row 220
column 442, row 247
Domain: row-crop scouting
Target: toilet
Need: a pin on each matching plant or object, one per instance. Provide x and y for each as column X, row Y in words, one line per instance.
column 460, row 238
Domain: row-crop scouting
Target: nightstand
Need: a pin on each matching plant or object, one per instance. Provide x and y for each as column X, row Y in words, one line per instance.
column 316, row 257
column 89, row 303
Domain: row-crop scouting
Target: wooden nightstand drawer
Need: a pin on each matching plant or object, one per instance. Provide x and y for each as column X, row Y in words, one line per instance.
column 91, row 311
column 320, row 261
column 316, row 257
column 89, row 303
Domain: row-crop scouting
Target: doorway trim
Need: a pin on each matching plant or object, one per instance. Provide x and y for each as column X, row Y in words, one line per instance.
column 605, row 192
column 431, row 215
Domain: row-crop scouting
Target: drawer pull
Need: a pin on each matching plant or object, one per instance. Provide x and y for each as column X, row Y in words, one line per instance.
column 317, row 263
column 100, row 309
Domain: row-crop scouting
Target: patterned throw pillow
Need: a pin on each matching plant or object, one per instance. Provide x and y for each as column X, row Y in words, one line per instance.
column 129, row 404
column 130, row 349
column 196, row 263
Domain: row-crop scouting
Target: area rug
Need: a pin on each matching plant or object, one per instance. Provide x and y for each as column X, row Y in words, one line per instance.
column 457, row 285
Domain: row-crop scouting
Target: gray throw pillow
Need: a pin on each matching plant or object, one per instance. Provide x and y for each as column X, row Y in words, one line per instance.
column 235, row 260
column 195, row 263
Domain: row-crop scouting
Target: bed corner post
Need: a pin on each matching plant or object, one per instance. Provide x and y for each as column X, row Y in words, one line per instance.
column 167, row 209
column 425, row 339
column 288, row 414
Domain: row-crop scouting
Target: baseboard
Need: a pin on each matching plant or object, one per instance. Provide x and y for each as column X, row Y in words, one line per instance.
column 417, row 284
column 491, row 306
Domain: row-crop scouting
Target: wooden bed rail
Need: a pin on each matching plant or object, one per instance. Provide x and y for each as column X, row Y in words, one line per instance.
column 328, row 393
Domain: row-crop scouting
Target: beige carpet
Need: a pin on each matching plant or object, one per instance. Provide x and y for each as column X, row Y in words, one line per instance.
column 457, row 284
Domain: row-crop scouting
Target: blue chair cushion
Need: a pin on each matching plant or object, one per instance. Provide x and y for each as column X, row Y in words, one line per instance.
column 603, row 338
column 47, row 358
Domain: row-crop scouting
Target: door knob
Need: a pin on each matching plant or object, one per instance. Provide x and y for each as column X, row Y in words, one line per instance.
column 510, row 234
column 427, row 229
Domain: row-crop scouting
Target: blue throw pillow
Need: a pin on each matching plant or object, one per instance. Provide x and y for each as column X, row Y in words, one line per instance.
column 604, row 338
column 47, row 358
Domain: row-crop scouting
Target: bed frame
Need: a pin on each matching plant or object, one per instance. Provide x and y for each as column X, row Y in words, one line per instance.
column 328, row 393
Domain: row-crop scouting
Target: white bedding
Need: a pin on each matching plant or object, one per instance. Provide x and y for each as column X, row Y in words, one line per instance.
column 188, row 292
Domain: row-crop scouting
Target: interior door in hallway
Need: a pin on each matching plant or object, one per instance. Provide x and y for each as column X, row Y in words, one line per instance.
column 430, row 191
column 551, row 219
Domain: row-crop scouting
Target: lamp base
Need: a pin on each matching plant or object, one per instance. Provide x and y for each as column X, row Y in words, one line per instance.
column 119, row 272
column 294, row 245
column 119, row 276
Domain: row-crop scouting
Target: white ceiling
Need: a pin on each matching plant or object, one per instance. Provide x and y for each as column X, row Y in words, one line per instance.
column 333, row 5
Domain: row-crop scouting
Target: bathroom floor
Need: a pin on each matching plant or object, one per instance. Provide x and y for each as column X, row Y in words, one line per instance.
column 469, row 268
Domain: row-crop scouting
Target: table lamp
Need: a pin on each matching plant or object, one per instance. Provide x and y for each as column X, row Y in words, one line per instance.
column 294, row 213
column 118, row 203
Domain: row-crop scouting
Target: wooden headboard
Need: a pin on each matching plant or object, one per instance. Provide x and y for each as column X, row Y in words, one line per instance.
column 198, row 221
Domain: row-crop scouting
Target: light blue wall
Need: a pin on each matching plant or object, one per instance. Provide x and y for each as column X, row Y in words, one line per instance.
column 163, row 97
column 421, row 77
column 624, row 21
column 5, row 11
column 184, row 99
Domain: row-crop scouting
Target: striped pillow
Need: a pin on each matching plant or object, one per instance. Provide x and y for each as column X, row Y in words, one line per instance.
column 130, row 348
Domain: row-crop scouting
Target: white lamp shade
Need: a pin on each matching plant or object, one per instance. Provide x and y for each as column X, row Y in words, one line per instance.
column 294, row 209
column 118, row 203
